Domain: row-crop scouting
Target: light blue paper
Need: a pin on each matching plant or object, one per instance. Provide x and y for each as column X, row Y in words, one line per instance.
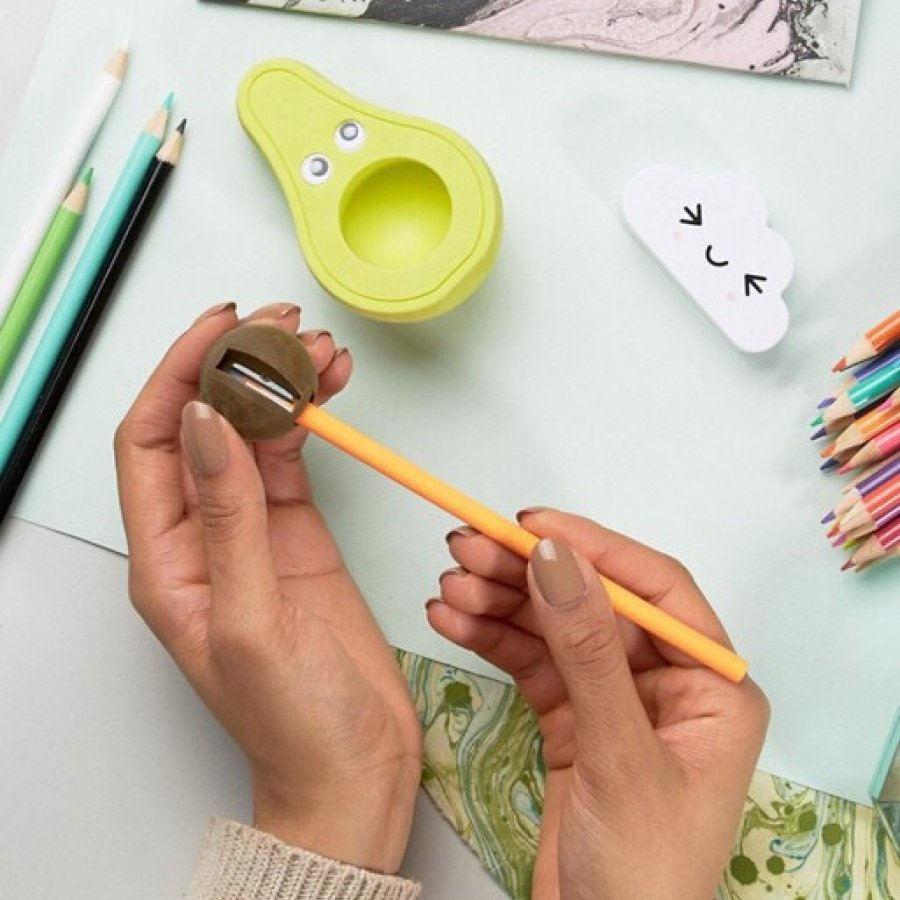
column 580, row 375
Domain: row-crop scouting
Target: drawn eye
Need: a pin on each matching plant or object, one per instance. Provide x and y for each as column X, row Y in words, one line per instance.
column 693, row 217
column 350, row 136
column 315, row 169
column 753, row 281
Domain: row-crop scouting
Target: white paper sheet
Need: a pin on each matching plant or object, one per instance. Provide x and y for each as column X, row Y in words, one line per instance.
column 580, row 375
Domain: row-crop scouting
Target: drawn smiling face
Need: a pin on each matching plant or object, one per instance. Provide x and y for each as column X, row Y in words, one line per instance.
column 711, row 234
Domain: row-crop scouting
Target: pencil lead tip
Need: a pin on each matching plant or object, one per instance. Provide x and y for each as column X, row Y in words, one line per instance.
column 840, row 539
column 818, row 420
column 846, row 468
column 181, row 126
column 829, row 517
column 167, row 103
column 840, row 365
column 827, row 452
column 87, row 175
column 847, row 565
column 828, row 465
column 820, row 433
column 826, row 402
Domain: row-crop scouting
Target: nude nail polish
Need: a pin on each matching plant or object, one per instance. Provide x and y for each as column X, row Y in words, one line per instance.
column 204, row 439
column 462, row 531
column 556, row 573
column 275, row 311
column 310, row 337
column 216, row 310
column 528, row 511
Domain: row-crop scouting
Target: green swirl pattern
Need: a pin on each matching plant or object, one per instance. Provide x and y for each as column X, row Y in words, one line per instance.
column 483, row 770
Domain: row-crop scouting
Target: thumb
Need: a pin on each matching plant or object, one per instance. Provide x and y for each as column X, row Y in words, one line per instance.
column 232, row 505
column 580, row 629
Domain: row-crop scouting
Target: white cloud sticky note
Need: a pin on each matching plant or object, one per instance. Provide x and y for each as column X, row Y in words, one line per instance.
column 712, row 235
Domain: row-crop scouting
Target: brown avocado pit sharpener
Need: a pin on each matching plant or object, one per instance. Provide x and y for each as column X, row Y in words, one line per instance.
column 260, row 378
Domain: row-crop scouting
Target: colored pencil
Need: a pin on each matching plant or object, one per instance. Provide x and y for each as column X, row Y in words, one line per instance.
column 870, row 425
column 89, row 315
column 867, row 391
column 874, row 477
column 27, row 302
column 69, row 160
column 880, row 447
column 864, row 371
column 872, row 471
column 874, row 341
column 881, row 543
column 79, row 286
column 871, row 509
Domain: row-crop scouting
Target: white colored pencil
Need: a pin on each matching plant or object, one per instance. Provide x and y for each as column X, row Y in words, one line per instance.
column 69, row 161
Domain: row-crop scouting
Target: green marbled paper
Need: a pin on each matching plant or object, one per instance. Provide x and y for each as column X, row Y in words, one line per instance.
column 483, row 771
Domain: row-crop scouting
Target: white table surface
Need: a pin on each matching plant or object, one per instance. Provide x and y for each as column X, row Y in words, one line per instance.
column 109, row 766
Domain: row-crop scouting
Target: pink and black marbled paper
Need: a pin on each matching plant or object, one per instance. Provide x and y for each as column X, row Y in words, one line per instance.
column 811, row 39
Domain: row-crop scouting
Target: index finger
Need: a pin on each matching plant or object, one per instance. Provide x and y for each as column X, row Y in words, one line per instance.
column 147, row 443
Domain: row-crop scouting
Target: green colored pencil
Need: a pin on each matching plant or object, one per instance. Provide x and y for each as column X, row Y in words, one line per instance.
column 39, row 278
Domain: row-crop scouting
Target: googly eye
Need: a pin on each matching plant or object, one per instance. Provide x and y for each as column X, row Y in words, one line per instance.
column 349, row 136
column 315, row 169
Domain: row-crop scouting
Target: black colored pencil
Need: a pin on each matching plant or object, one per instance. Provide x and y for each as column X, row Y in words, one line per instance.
column 89, row 315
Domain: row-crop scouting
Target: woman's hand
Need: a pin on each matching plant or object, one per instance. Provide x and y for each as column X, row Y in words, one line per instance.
column 234, row 569
column 648, row 755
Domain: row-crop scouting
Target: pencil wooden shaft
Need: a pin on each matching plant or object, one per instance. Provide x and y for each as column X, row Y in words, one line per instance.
column 75, row 147
column 652, row 619
column 83, row 328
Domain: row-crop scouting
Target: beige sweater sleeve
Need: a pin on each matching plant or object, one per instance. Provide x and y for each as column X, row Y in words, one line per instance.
column 240, row 863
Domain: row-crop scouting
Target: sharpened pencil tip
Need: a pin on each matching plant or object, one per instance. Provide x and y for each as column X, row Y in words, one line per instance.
column 820, row 433
column 829, row 517
column 846, row 468
column 828, row 465
column 182, row 125
column 847, row 565
column 818, row 420
column 826, row 402
column 87, row 175
column 840, row 365
column 167, row 103
column 840, row 539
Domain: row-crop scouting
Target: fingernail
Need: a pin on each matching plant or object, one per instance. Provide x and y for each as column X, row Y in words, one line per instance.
column 310, row 337
column 275, row 311
column 462, row 531
column 556, row 573
column 216, row 310
column 204, row 439
column 341, row 351
column 430, row 603
column 458, row 571
column 529, row 510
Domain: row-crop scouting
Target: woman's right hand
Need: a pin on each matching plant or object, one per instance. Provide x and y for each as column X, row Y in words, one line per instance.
column 648, row 755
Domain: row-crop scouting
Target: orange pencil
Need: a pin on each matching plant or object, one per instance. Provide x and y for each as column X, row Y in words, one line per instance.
column 872, row 342
column 512, row 536
column 874, row 509
column 869, row 425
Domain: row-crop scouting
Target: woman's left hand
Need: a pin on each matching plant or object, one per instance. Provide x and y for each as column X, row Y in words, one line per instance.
column 235, row 571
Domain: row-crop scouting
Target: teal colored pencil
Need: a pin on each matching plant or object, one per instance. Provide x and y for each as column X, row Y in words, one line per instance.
column 41, row 273
column 98, row 247
column 877, row 385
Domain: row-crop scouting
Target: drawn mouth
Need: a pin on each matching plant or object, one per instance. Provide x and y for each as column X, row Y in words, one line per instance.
column 713, row 262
